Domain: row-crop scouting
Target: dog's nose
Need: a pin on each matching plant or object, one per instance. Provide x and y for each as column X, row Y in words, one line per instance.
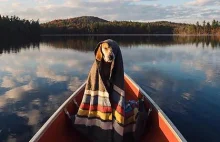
column 111, row 57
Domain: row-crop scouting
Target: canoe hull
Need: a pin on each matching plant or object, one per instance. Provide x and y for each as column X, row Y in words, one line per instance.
column 58, row 126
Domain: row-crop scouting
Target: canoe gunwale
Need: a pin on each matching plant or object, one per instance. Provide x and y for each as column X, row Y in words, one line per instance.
column 46, row 125
column 160, row 112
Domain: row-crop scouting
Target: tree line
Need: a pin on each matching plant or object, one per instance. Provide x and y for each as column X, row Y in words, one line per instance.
column 70, row 26
column 199, row 29
column 15, row 28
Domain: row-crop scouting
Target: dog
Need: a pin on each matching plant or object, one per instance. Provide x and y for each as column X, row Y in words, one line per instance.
column 106, row 56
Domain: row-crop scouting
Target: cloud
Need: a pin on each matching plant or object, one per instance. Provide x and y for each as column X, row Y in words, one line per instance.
column 71, row 3
column 204, row 2
column 41, row 1
column 114, row 10
column 16, row 4
column 117, row 0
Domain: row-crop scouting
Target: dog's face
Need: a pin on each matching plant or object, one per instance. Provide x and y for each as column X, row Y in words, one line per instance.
column 105, row 52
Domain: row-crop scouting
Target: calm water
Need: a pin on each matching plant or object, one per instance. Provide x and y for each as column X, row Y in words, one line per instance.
column 181, row 74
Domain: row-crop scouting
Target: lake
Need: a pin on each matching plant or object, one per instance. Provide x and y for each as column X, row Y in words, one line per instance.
column 180, row 73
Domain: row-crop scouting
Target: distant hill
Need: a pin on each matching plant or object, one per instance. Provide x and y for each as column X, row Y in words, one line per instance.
column 76, row 20
column 93, row 19
column 95, row 25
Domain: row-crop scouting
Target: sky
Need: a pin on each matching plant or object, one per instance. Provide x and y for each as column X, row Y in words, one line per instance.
column 187, row 11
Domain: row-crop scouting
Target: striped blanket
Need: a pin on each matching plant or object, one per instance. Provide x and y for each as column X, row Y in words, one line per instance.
column 102, row 116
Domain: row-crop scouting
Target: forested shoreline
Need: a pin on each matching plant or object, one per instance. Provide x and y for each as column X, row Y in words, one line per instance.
column 14, row 28
column 95, row 25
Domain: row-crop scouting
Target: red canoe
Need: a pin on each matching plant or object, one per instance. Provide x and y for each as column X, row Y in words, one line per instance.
column 58, row 127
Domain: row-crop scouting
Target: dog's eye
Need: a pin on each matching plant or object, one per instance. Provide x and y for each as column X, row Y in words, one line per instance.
column 105, row 48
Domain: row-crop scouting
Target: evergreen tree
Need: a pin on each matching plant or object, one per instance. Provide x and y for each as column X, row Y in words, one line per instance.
column 14, row 27
column 208, row 28
column 214, row 24
column 204, row 27
column 197, row 27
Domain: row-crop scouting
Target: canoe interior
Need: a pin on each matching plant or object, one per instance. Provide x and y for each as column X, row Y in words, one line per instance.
column 59, row 128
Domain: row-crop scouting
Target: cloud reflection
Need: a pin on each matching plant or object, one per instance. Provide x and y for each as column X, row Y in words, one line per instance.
column 8, row 82
column 16, row 94
column 187, row 96
column 33, row 116
column 74, row 84
column 174, row 74
column 45, row 72
column 14, row 71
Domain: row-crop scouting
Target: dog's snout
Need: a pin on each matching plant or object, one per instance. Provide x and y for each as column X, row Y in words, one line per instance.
column 111, row 57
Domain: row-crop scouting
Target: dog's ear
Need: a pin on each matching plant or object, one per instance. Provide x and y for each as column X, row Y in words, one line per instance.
column 99, row 53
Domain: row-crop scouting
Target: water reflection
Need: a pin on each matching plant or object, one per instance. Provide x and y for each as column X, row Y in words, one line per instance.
column 15, row 45
column 181, row 74
column 87, row 43
column 34, row 83
column 184, row 81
